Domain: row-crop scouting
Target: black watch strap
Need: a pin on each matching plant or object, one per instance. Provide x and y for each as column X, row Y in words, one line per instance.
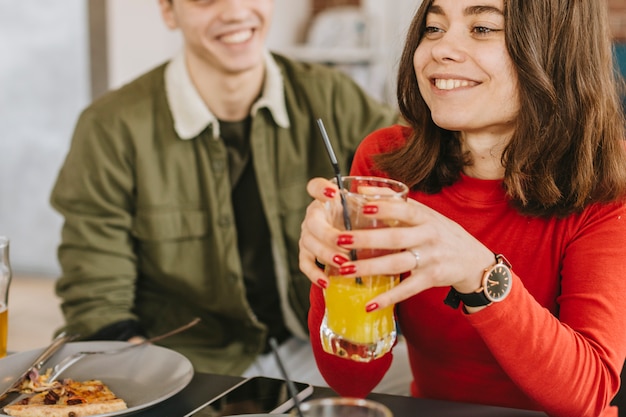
column 475, row 299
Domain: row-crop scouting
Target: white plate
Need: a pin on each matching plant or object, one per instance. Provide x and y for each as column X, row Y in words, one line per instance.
column 142, row 377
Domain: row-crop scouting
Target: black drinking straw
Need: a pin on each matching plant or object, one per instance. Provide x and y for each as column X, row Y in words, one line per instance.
column 333, row 160
column 290, row 384
column 335, row 164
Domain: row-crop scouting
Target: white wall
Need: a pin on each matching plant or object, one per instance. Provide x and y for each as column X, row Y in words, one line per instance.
column 393, row 30
column 44, row 84
column 137, row 39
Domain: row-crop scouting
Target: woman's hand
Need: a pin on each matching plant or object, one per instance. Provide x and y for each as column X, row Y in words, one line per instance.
column 317, row 234
column 448, row 255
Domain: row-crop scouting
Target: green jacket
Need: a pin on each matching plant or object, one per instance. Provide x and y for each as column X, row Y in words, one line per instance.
column 149, row 228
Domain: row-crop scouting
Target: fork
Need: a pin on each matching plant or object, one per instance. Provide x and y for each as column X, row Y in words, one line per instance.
column 70, row 360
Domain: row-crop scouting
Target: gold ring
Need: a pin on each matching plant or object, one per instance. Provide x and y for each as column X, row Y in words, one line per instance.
column 415, row 254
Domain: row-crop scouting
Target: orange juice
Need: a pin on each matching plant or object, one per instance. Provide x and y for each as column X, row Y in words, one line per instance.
column 4, row 327
column 348, row 330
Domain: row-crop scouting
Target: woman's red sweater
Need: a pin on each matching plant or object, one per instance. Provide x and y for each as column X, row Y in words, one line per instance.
column 556, row 343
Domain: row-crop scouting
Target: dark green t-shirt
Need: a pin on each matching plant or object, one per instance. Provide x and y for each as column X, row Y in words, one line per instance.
column 253, row 235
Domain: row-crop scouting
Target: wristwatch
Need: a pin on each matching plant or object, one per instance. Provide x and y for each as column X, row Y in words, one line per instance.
column 497, row 281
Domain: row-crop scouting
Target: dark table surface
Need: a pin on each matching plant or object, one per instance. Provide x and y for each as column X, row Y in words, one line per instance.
column 203, row 387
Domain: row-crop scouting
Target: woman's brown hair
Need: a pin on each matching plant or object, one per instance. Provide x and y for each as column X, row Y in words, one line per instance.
column 568, row 147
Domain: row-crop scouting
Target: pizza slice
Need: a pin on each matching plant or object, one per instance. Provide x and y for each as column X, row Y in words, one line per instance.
column 68, row 399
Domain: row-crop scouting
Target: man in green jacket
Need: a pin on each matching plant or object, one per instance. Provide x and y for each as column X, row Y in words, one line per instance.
column 183, row 192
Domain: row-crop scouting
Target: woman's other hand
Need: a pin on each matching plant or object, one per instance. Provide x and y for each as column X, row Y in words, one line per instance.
column 436, row 251
column 317, row 234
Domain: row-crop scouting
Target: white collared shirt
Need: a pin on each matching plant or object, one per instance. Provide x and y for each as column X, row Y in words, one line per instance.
column 190, row 113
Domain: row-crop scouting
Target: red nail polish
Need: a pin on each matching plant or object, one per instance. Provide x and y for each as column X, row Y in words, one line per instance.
column 339, row 259
column 367, row 209
column 345, row 240
column 329, row 192
column 371, row 307
column 322, row 283
column 347, row 270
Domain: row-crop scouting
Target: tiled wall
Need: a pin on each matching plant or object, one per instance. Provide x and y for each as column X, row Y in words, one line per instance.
column 617, row 16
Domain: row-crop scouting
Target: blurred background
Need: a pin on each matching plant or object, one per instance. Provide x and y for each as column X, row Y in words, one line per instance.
column 58, row 55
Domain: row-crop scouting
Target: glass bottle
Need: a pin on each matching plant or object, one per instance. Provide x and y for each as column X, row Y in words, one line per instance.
column 5, row 282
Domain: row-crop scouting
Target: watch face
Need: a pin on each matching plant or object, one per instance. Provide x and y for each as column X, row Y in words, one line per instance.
column 498, row 283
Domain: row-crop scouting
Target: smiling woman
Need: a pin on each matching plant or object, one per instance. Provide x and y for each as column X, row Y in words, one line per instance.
column 467, row 92
column 515, row 158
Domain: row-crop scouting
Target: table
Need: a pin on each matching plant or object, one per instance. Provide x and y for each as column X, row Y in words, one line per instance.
column 203, row 387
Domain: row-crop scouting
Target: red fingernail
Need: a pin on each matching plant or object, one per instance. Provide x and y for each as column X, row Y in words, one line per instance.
column 322, row 283
column 345, row 240
column 370, row 209
column 371, row 307
column 339, row 259
column 329, row 192
column 347, row 270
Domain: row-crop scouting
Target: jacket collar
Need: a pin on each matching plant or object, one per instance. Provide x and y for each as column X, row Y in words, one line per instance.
column 191, row 116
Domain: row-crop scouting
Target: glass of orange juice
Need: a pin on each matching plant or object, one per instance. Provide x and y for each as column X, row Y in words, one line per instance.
column 347, row 329
column 5, row 281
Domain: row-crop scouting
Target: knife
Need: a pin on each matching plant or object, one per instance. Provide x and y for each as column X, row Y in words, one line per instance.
column 12, row 392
